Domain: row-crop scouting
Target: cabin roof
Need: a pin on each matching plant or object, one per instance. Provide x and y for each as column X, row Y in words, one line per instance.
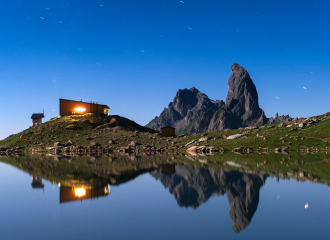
column 168, row 127
column 105, row 106
column 37, row 185
column 37, row 115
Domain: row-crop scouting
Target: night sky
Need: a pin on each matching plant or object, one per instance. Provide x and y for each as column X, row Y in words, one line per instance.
column 133, row 55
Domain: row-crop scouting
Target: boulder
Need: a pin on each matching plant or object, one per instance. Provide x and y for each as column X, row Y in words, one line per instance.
column 220, row 136
column 192, row 149
column 69, row 143
column 134, row 143
column 94, row 143
column 190, row 143
column 235, row 164
column 57, row 144
column 235, row 136
column 71, row 127
column 4, row 148
column 204, row 139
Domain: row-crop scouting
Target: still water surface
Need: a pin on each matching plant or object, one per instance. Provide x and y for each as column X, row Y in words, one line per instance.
column 185, row 202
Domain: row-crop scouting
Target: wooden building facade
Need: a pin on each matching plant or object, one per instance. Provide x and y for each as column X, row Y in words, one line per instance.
column 168, row 131
column 37, row 118
column 70, row 107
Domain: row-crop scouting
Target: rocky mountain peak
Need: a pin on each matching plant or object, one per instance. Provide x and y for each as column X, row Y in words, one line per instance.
column 242, row 97
column 192, row 111
column 193, row 89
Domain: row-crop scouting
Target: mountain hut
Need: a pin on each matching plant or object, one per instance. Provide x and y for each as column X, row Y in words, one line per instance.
column 71, row 107
column 168, row 131
column 37, row 118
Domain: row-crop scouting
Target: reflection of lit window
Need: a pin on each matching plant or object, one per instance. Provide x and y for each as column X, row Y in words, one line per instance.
column 79, row 109
column 79, row 192
column 107, row 189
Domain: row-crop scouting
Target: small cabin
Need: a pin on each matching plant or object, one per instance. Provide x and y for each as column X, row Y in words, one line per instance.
column 37, row 182
column 168, row 131
column 168, row 168
column 71, row 107
column 37, row 119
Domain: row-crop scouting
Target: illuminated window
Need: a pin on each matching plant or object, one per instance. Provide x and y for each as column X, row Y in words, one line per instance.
column 79, row 109
column 79, row 192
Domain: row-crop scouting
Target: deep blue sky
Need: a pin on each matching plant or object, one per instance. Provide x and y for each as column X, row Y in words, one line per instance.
column 133, row 55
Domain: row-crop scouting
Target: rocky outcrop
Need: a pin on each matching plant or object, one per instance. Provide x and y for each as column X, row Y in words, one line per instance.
column 193, row 112
column 192, row 186
column 187, row 107
column 280, row 119
column 242, row 98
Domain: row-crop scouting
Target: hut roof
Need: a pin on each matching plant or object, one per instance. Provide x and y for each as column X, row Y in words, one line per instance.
column 103, row 105
column 37, row 185
column 168, row 127
column 37, row 115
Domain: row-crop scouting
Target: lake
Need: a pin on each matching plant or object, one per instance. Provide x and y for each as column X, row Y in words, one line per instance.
column 90, row 198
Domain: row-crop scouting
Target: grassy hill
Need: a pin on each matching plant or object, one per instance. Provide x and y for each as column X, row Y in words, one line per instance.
column 101, row 129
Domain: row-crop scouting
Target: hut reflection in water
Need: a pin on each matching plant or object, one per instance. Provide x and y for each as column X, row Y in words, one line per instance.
column 168, row 168
column 37, row 182
column 69, row 194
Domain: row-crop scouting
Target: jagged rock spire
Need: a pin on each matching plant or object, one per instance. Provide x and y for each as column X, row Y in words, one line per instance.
column 242, row 97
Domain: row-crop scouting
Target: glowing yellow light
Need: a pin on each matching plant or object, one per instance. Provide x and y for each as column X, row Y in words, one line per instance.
column 107, row 189
column 306, row 206
column 79, row 109
column 79, row 192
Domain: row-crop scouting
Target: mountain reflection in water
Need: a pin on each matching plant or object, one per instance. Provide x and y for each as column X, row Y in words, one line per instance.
column 192, row 186
column 83, row 178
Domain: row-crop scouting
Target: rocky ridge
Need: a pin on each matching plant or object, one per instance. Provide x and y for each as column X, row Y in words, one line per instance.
column 193, row 112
